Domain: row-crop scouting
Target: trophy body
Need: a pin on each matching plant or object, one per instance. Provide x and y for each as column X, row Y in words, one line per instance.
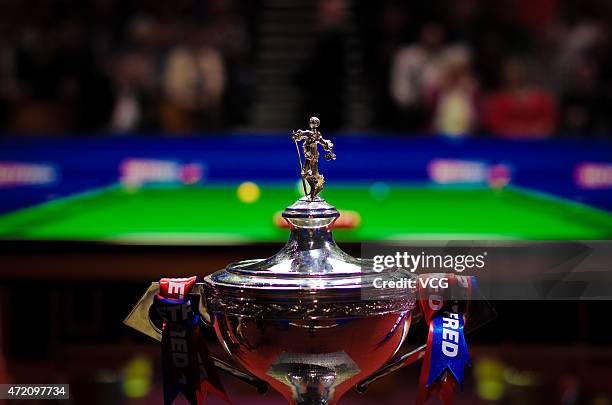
column 312, row 362
column 302, row 320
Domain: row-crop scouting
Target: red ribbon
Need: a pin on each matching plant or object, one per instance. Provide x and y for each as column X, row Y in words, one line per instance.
column 187, row 365
column 432, row 302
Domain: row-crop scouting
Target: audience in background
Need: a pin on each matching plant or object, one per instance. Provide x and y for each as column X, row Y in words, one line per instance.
column 194, row 83
column 455, row 100
column 416, row 72
column 229, row 33
column 135, row 75
column 134, row 94
column 558, row 86
column 433, row 86
column 585, row 105
column 520, row 109
column 147, row 66
column 123, row 66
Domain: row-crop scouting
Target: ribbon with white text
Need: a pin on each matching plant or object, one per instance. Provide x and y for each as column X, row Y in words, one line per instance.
column 445, row 310
column 187, row 366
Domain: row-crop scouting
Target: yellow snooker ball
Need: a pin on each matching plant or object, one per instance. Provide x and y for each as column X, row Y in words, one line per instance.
column 248, row 192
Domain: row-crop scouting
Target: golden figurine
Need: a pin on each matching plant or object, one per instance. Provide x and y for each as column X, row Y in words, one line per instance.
column 310, row 168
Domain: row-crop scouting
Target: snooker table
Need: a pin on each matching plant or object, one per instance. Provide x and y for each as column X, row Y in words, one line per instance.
column 214, row 215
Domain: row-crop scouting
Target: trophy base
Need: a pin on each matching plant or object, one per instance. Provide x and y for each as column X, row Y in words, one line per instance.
column 311, row 384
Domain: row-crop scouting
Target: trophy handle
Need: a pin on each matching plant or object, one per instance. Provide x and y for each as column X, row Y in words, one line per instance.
column 140, row 319
column 394, row 365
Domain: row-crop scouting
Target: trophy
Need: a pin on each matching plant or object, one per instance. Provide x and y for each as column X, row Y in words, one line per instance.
column 303, row 321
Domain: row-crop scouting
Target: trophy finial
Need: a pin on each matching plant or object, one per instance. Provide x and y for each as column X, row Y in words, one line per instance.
column 310, row 168
column 314, row 122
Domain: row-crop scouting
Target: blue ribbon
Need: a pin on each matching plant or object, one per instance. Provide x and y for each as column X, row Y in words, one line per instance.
column 179, row 313
column 448, row 348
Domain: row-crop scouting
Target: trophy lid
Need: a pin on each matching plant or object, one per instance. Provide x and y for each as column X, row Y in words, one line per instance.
column 309, row 277
column 309, row 260
column 310, row 271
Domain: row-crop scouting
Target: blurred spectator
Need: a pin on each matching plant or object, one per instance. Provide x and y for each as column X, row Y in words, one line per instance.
column 194, row 83
column 455, row 103
column 585, row 107
column 574, row 43
column 415, row 75
column 229, row 34
column 44, row 90
column 322, row 76
column 136, row 78
column 134, row 94
column 520, row 109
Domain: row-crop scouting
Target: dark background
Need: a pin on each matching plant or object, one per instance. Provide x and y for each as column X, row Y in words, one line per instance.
column 513, row 67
